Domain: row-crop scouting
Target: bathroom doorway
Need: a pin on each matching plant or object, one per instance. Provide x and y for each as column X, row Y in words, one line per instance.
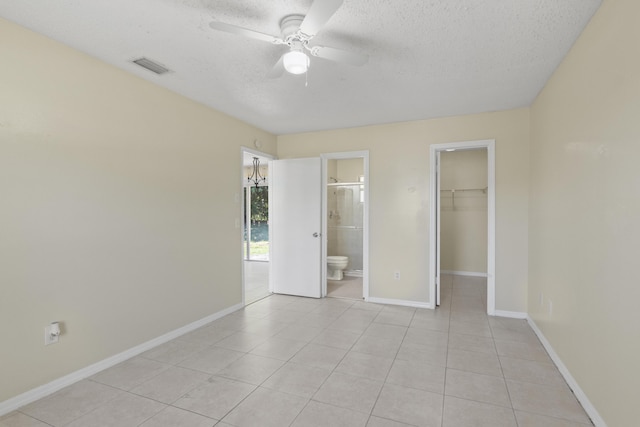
column 345, row 225
column 254, row 201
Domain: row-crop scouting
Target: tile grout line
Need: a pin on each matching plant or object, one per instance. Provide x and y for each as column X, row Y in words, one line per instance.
column 446, row 361
column 288, row 360
column 392, row 363
column 244, row 382
column 337, row 364
column 256, row 386
column 345, row 355
column 493, row 340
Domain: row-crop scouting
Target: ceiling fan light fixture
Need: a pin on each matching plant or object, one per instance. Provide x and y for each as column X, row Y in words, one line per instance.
column 295, row 62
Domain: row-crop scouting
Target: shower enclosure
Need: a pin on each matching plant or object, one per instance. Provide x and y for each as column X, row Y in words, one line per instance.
column 345, row 223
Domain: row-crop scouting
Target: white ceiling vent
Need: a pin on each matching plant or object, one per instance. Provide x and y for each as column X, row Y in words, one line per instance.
column 151, row 66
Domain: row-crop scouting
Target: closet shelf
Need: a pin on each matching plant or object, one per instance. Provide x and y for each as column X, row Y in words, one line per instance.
column 453, row 192
column 343, row 184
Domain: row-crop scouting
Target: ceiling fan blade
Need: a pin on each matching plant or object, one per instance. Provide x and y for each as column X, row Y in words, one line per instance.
column 339, row 55
column 319, row 13
column 228, row 28
column 277, row 70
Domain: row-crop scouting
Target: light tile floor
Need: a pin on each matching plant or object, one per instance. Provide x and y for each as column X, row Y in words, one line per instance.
column 348, row 287
column 287, row 361
column 256, row 280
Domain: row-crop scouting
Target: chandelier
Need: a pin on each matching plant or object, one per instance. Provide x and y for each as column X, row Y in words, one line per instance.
column 255, row 177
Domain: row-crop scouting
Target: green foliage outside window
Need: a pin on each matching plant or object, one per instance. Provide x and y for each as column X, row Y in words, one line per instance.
column 259, row 214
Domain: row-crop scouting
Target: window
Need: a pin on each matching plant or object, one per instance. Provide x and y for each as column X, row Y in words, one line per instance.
column 256, row 223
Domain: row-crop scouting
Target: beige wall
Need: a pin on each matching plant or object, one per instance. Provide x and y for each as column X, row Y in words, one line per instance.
column 463, row 212
column 399, row 193
column 117, row 216
column 332, row 170
column 350, row 170
column 585, row 207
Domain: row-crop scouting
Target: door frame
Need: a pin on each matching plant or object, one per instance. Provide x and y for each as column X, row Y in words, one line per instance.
column 434, row 208
column 364, row 155
column 239, row 199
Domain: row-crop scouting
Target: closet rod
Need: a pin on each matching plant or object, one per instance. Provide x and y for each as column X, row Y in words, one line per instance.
column 453, row 190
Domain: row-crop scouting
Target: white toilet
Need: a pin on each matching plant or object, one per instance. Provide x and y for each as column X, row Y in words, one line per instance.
column 335, row 265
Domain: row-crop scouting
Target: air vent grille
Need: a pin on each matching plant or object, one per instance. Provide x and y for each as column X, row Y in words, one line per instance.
column 151, row 65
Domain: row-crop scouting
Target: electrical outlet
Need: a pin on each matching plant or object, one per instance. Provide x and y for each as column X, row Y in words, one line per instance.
column 48, row 338
column 550, row 307
column 396, row 275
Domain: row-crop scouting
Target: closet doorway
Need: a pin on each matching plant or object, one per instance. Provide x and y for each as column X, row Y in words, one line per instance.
column 462, row 212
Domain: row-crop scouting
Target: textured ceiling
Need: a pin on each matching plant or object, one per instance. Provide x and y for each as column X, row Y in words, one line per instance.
column 428, row 58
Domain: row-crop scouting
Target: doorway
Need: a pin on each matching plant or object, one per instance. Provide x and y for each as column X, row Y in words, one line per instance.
column 345, row 222
column 467, row 202
column 255, row 225
column 298, row 225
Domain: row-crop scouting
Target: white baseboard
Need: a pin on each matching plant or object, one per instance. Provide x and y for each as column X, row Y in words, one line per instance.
column 464, row 273
column 44, row 390
column 405, row 303
column 577, row 391
column 511, row 314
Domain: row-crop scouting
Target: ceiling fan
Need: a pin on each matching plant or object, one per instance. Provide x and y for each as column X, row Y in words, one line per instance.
column 297, row 31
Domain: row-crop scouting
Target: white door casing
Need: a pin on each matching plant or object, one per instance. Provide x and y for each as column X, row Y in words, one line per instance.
column 437, row 235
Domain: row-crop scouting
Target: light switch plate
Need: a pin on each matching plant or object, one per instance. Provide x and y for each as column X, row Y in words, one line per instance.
column 48, row 338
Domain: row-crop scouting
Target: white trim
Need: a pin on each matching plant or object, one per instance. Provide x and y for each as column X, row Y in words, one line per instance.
column 573, row 384
column 511, row 314
column 32, row 395
column 364, row 155
column 490, row 145
column 405, row 303
column 437, row 235
column 464, row 273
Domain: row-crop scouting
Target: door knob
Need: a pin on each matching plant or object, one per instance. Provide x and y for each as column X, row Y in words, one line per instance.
column 315, row 234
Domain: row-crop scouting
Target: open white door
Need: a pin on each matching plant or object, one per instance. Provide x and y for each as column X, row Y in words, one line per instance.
column 295, row 225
